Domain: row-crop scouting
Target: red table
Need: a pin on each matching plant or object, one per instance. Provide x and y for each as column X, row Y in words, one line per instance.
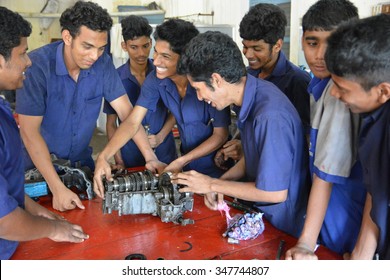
column 115, row 237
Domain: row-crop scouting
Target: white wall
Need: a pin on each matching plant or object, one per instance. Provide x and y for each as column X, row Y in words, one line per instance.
column 225, row 12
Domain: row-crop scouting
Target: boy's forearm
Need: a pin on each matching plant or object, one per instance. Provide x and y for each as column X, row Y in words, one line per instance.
column 315, row 214
column 368, row 236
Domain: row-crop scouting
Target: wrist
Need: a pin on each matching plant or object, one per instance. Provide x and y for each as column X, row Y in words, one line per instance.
column 306, row 246
column 103, row 157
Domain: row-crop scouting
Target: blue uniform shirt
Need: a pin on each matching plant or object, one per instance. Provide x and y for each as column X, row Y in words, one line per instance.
column 333, row 147
column 374, row 153
column 131, row 155
column 11, row 172
column 275, row 152
column 69, row 109
column 195, row 119
column 293, row 82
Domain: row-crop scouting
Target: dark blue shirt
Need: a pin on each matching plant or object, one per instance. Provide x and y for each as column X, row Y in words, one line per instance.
column 374, row 153
column 69, row 109
column 131, row 155
column 11, row 172
column 293, row 82
column 275, row 152
column 195, row 119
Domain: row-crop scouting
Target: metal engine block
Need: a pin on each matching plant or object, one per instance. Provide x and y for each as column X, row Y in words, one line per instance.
column 145, row 193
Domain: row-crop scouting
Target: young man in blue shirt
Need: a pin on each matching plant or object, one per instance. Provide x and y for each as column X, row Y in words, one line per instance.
column 274, row 168
column 61, row 99
column 137, row 43
column 337, row 194
column 21, row 218
column 358, row 57
column 262, row 30
column 202, row 128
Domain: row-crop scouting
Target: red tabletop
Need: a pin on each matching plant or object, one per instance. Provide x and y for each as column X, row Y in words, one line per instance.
column 114, row 237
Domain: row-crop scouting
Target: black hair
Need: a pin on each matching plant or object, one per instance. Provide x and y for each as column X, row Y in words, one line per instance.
column 360, row 51
column 135, row 26
column 12, row 28
column 326, row 15
column 212, row 52
column 87, row 14
column 263, row 22
column 176, row 32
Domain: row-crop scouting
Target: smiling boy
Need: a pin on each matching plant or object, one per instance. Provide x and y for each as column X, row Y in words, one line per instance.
column 358, row 56
column 62, row 96
column 337, row 194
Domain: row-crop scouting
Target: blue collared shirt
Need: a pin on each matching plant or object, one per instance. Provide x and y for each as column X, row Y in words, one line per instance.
column 293, row 82
column 69, row 109
column 195, row 119
column 275, row 152
column 11, row 172
column 131, row 155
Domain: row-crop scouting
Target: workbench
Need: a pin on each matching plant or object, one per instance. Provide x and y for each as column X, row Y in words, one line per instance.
column 114, row 237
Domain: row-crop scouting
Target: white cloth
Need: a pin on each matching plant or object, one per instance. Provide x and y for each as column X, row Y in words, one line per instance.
column 119, row 56
column 337, row 134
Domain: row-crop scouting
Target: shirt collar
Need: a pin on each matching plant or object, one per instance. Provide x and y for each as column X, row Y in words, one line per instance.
column 248, row 98
column 61, row 69
column 316, row 87
column 279, row 70
column 375, row 115
column 126, row 74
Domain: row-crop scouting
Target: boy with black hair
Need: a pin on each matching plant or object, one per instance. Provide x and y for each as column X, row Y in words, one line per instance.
column 61, row 98
column 358, row 57
column 21, row 218
column 203, row 129
column 137, row 43
column 274, row 168
column 262, row 30
column 337, row 194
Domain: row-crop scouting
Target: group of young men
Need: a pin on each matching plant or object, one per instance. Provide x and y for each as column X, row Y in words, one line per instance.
column 332, row 192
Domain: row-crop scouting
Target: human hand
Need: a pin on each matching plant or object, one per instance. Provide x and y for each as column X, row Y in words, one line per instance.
column 155, row 166
column 232, row 149
column 102, row 170
column 66, row 199
column 44, row 212
column 174, row 167
column 154, row 140
column 300, row 252
column 347, row 256
column 192, row 181
column 211, row 200
column 67, row 232
column 119, row 163
column 38, row 210
column 219, row 160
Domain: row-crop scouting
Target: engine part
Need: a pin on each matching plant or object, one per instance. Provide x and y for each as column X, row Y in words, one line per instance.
column 145, row 193
column 80, row 178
